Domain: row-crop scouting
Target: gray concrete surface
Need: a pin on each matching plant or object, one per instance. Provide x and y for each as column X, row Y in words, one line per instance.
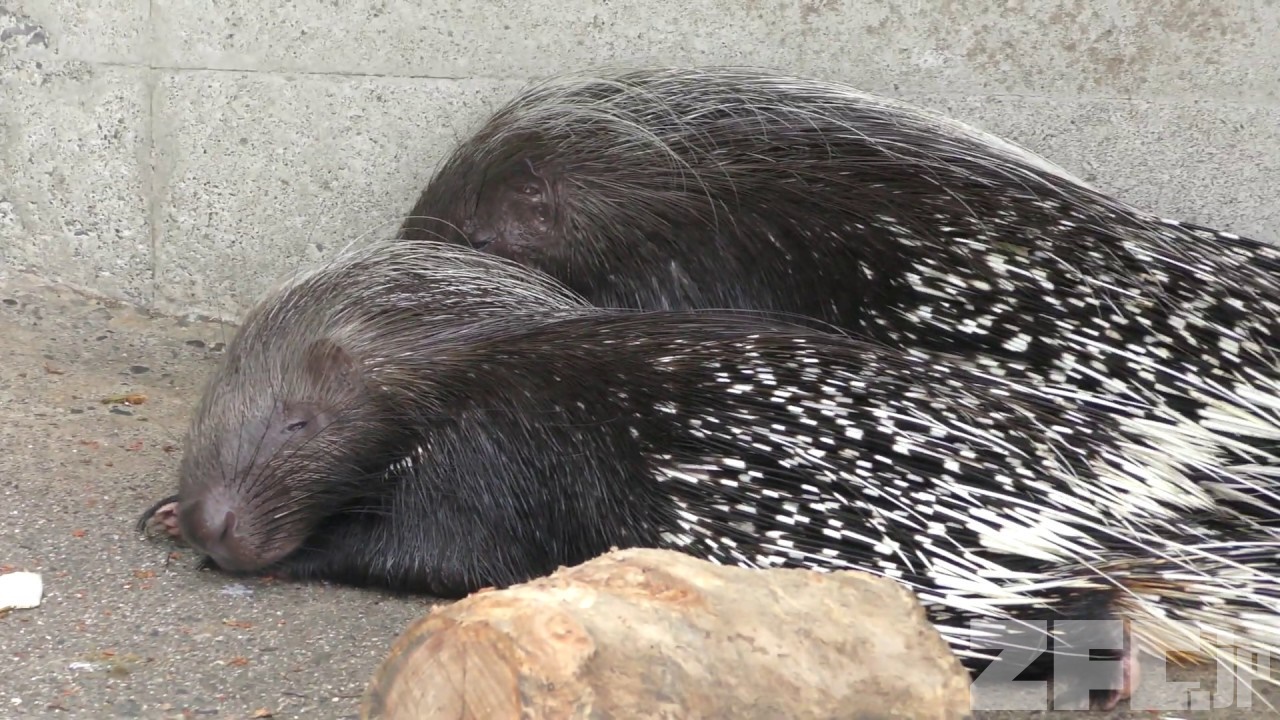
column 181, row 153
column 128, row 628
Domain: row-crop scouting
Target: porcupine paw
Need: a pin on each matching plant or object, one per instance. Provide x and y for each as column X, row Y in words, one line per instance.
column 163, row 516
column 1102, row 700
column 1107, row 700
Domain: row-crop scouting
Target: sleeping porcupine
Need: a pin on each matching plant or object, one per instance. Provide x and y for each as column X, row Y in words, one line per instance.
column 427, row 418
column 723, row 187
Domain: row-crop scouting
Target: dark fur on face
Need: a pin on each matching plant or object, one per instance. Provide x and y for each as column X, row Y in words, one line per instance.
column 268, row 458
column 306, row 415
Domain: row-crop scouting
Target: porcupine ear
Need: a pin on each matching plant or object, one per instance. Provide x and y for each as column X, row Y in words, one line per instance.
column 327, row 363
column 332, row 382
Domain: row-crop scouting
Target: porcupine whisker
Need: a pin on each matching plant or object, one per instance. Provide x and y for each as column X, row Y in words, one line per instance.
column 257, row 445
column 432, row 218
column 375, row 233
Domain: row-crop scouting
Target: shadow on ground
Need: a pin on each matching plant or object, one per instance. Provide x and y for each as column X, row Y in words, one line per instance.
column 127, row 627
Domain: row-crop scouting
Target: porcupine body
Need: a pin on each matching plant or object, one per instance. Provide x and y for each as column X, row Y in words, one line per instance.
column 722, row 187
column 361, row 433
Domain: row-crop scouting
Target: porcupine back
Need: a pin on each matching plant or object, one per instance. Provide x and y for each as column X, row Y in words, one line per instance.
column 748, row 443
column 735, row 187
column 498, row 447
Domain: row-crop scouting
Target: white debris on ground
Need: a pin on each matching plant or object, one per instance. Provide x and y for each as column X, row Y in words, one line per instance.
column 20, row 591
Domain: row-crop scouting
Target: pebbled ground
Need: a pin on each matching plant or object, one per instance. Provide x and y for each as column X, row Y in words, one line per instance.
column 128, row 628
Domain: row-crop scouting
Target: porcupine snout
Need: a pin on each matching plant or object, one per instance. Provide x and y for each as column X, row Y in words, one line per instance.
column 212, row 525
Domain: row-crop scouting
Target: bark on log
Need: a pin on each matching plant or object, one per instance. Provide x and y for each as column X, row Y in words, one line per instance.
column 658, row 634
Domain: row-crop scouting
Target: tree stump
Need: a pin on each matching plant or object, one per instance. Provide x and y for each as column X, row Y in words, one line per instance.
column 659, row 634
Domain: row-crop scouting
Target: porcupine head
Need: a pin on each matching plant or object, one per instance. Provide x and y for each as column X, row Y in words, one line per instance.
column 583, row 192
column 271, row 449
column 306, row 414
column 712, row 188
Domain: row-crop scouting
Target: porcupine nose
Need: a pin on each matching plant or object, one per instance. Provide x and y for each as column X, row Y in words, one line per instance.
column 212, row 527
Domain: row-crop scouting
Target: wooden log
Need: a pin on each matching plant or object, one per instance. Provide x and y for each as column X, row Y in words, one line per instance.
column 658, row 634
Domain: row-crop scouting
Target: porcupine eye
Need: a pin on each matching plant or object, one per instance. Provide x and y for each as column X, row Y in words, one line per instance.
column 295, row 427
column 509, row 217
column 537, row 204
column 513, row 212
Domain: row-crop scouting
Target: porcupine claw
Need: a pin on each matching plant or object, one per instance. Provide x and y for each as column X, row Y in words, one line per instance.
column 163, row 514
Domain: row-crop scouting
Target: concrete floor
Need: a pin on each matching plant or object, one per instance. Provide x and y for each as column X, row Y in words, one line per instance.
column 127, row 628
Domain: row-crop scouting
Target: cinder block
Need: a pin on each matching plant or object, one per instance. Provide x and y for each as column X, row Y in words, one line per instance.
column 253, row 172
column 1210, row 163
column 74, row 174
column 258, row 173
column 113, row 31
column 1143, row 48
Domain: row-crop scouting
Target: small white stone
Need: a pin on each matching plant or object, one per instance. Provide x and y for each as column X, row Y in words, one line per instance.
column 20, row 590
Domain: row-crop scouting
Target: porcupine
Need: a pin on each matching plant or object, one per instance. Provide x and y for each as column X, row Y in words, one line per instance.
column 715, row 187
column 357, row 433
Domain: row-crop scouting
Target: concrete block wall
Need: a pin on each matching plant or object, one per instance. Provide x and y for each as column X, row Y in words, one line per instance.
column 183, row 153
